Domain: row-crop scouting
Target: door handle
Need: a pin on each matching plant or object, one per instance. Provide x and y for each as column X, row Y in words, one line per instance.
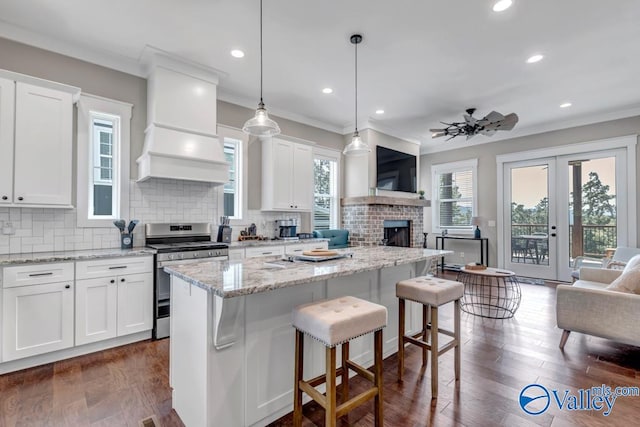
column 553, row 234
column 4, row 197
column 21, row 198
column 117, row 267
column 67, row 286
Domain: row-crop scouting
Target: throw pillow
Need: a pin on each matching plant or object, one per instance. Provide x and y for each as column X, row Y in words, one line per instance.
column 628, row 281
column 632, row 263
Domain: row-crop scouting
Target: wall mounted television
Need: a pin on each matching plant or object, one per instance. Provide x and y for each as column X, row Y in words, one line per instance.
column 396, row 171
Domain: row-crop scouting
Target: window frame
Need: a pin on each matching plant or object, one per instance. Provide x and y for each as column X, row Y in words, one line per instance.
column 321, row 153
column 241, row 177
column 91, row 107
column 453, row 167
column 238, row 193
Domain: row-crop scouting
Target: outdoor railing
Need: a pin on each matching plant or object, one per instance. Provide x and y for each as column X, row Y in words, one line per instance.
column 595, row 238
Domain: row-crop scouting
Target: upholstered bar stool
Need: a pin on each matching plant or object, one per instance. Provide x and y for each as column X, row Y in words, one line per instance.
column 430, row 292
column 336, row 322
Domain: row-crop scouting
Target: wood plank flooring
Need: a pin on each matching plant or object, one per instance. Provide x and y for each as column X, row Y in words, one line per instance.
column 120, row 387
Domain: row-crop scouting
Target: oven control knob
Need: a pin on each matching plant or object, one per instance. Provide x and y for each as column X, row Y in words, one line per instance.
column 217, row 253
column 181, row 256
column 210, row 253
column 195, row 254
column 170, row 256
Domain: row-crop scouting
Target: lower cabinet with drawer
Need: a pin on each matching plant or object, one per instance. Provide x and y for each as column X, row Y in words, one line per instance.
column 115, row 304
column 37, row 309
column 264, row 251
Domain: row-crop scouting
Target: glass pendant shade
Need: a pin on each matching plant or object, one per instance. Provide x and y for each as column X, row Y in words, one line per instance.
column 357, row 147
column 261, row 124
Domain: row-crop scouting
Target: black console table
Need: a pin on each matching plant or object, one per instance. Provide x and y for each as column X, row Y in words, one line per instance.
column 484, row 248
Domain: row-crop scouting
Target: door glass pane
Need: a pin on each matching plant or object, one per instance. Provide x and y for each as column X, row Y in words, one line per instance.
column 592, row 207
column 530, row 215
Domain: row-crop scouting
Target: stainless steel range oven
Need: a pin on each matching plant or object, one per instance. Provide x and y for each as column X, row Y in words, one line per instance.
column 177, row 244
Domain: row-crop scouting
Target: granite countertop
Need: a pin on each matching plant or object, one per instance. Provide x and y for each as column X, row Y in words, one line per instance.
column 251, row 243
column 39, row 257
column 255, row 275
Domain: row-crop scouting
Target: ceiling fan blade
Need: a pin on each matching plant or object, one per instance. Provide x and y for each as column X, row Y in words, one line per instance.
column 509, row 121
column 437, row 133
column 493, row 116
column 488, row 132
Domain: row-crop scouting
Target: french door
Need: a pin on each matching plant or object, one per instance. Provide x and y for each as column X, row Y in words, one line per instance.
column 556, row 209
column 530, row 212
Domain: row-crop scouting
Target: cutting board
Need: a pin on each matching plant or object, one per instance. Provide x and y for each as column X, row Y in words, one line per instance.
column 320, row 252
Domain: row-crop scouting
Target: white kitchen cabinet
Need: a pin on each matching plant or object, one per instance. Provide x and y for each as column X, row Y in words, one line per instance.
column 7, row 104
column 96, row 309
column 287, row 176
column 135, row 303
column 36, row 319
column 236, row 254
column 114, row 297
column 36, row 141
column 299, row 248
column 264, row 251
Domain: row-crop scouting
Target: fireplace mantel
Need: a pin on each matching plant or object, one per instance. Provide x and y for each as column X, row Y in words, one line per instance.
column 384, row 200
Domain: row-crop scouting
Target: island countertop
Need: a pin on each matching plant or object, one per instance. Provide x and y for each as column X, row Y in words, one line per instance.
column 256, row 275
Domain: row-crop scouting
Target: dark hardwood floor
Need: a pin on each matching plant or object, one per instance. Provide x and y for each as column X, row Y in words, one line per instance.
column 122, row 386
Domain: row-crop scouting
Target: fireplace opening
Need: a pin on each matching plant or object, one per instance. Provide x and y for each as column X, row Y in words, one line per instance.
column 397, row 232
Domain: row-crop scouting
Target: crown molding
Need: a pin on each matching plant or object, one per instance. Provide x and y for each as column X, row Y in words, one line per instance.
column 78, row 51
column 243, row 101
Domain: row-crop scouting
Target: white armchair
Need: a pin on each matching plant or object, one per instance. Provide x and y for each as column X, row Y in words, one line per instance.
column 620, row 258
column 588, row 307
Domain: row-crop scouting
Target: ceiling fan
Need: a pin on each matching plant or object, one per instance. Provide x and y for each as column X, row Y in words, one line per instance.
column 471, row 126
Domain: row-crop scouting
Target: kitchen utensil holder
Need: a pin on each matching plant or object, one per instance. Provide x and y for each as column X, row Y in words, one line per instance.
column 126, row 241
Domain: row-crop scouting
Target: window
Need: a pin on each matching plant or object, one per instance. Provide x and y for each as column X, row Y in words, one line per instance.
column 103, row 161
column 454, row 192
column 232, row 197
column 325, row 195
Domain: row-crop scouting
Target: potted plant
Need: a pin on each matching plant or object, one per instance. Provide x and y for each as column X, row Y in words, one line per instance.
column 421, row 194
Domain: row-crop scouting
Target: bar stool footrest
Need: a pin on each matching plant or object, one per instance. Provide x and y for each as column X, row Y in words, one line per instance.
column 355, row 401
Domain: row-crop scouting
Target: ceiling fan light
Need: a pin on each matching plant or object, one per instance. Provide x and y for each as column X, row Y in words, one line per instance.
column 261, row 124
column 502, row 5
column 357, row 147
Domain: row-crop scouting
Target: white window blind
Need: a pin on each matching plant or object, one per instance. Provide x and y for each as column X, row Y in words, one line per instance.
column 455, row 195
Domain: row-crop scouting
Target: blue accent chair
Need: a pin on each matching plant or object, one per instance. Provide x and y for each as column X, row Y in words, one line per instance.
column 337, row 238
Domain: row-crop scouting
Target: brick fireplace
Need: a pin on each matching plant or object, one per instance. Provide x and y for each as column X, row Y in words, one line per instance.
column 365, row 217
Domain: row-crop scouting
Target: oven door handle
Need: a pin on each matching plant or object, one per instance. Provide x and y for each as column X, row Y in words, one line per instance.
column 161, row 264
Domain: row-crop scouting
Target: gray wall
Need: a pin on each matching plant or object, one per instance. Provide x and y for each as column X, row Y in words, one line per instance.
column 486, row 155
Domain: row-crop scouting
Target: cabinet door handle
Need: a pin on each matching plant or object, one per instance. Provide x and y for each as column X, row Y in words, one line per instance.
column 296, row 206
column 117, row 267
column 4, row 197
column 50, row 273
column 290, row 206
column 112, row 281
column 67, row 286
column 122, row 280
column 21, row 198
column 267, row 253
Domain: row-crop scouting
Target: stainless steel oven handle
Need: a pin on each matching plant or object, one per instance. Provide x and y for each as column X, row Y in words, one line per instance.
column 190, row 261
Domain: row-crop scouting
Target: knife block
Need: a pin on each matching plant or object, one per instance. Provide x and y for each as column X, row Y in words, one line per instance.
column 224, row 234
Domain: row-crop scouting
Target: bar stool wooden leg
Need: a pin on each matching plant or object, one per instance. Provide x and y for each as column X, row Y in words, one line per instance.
column 345, row 372
column 378, row 402
column 330, row 410
column 297, row 398
column 456, row 333
column 425, row 333
column 434, row 351
column 401, row 317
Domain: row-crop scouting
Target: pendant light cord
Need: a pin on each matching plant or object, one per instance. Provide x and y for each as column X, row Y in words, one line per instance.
column 356, row 86
column 261, row 52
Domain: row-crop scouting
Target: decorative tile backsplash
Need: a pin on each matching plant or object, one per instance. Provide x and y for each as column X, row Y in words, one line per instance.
column 155, row 200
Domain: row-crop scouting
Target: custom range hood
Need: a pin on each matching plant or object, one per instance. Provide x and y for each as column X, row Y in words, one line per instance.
column 181, row 139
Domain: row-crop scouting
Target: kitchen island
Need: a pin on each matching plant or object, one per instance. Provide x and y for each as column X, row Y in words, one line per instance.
column 231, row 361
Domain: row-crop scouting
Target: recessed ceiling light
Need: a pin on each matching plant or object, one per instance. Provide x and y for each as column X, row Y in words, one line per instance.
column 535, row 58
column 565, row 105
column 237, row 53
column 327, row 90
column 501, row 5
column 379, row 111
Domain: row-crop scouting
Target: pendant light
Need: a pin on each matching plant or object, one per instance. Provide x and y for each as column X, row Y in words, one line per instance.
column 357, row 147
column 261, row 124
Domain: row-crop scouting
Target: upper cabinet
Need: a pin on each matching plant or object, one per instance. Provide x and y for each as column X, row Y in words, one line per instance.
column 287, row 176
column 36, row 142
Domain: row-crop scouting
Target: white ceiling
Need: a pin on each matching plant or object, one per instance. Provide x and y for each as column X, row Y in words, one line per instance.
column 420, row 61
